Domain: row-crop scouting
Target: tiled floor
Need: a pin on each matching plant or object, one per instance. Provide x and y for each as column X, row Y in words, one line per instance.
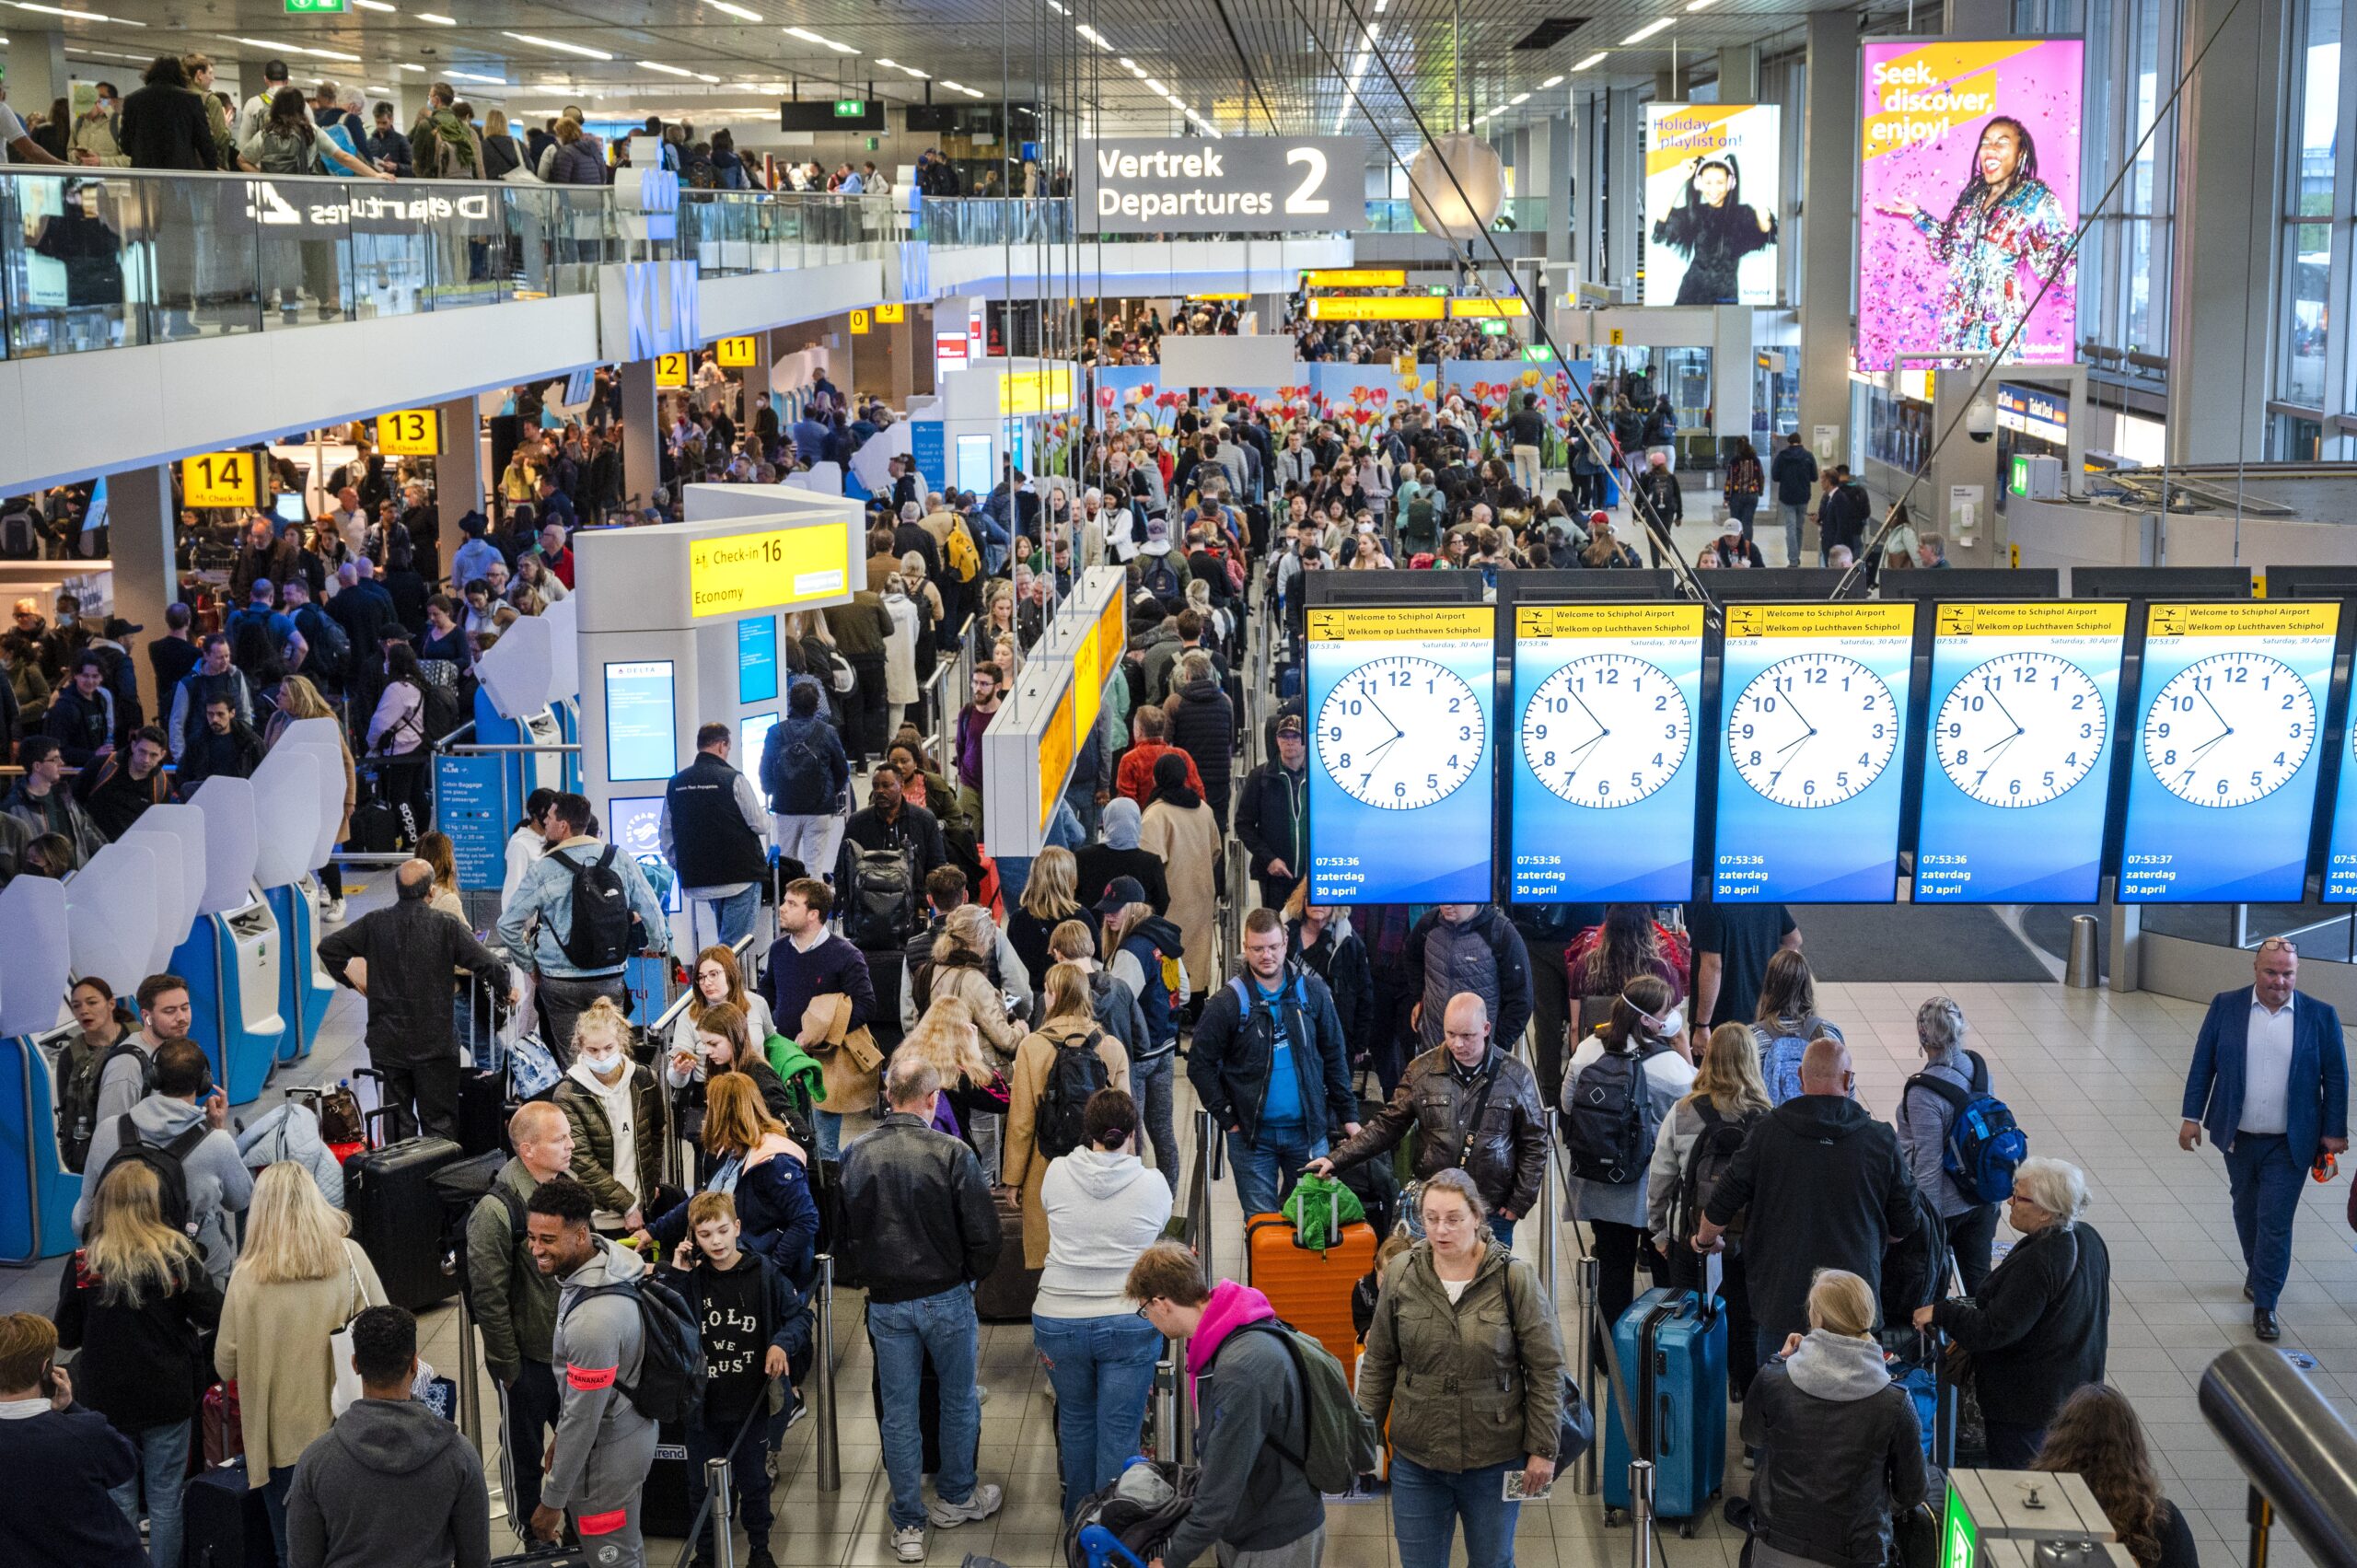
column 2094, row 1077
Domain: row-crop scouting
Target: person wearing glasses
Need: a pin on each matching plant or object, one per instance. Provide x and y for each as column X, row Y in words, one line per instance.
column 2038, row 1328
column 2270, row 1083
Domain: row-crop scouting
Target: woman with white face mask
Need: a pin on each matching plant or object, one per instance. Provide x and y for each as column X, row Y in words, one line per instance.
column 616, row 1114
column 1640, row 1055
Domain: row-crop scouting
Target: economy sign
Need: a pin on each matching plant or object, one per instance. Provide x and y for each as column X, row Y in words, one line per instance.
column 1968, row 199
column 1712, row 194
column 1187, row 185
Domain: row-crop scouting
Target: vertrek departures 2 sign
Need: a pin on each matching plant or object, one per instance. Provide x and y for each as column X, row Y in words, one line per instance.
column 1193, row 185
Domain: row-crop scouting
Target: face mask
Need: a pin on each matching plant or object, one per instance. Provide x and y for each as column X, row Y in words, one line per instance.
column 602, row 1061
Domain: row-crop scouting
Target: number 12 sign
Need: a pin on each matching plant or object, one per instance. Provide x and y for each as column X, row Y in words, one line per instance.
column 220, row 478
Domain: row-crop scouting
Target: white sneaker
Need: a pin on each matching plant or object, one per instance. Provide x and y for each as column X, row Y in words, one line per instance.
column 908, row 1544
column 982, row 1505
column 982, row 1393
column 332, row 911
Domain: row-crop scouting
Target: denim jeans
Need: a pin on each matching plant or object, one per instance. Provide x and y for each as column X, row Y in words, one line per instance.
column 1502, row 1228
column 1151, row 1081
column 2265, row 1181
column 1426, row 1506
column 163, row 1467
column 829, row 1125
column 1265, row 1174
column 734, row 914
column 1102, row 1370
column 1795, row 515
column 943, row 1327
column 281, row 1482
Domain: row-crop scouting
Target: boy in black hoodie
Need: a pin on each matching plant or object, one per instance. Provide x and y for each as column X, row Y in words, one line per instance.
column 755, row 1329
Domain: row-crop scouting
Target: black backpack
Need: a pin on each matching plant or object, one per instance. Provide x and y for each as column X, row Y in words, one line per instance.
column 1076, row 1073
column 1607, row 1121
column 19, row 535
column 462, row 1187
column 671, row 1366
column 599, row 937
column 439, row 709
column 331, row 646
column 78, row 1100
column 883, row 892
column 169, row 1161
column 1706, row 1164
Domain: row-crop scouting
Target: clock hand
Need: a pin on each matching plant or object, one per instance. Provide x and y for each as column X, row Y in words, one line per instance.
column 1601, row 730
column 1395, row 731
column 1580, row 752
column 2213, row 710
column 2196, row 755
column 1798, row 714
column 1989, row 758
column 1796, row 740
column 2007, row 711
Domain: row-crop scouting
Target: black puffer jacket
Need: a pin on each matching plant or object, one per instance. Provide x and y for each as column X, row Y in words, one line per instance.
column 2040, row 1328
column 1202, row 724
column 1841, row 1452
column 1508, row 1157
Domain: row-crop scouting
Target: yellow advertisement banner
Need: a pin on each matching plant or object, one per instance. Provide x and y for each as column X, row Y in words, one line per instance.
column 1489, row 308
column 1354, row 277
column 1683, row 133
column 1055, row 755
column 1918, row 95
column 1390, row 307
column 737, row 574
column 1045, row 390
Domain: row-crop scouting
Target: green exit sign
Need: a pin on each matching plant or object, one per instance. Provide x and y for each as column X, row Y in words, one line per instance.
column 2017, row 481
column 1538, row 354
column 314, row 7
column 845, row 107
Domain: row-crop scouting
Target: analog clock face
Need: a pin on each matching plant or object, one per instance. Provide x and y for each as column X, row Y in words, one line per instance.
column 2230, row 730
column 2021, row 730
column 1813, row 730
column 1606, row 729
column 1400, row 732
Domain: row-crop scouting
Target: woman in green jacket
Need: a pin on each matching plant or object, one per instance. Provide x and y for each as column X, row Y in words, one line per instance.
column 1464, row 1358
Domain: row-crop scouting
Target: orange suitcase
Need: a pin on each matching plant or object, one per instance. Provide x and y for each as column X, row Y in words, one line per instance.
column 1311, row 1291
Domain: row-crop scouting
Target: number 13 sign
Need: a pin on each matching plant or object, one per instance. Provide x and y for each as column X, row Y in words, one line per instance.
column 411, row 433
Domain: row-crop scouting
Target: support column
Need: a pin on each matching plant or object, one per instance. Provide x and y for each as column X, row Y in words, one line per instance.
column 1739, row 74
column 1625, row 196
column 139, row 530
column 1550, row 180
column 1979, row 19
column 1587, row 234
column 458, row 473
column 642, row 433
column 37, row 69
column 2223, row 351
column 1829, row 167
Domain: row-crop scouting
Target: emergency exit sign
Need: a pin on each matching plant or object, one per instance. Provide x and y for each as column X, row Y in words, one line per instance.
column 314, row 7
column 845, row 107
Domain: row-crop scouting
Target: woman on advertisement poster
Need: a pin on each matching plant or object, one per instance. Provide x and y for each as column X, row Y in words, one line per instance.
column 1713, row 231
column 2005, row 219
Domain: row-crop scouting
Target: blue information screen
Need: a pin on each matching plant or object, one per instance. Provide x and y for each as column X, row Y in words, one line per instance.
column 1399, row 776
column 472, row 805
column 757, row 659
column 634, row 825
column 752, row 734
column 2223, row 787
column 1606, row 697
column 1810, row 770
column 2017, row 755
column 641, row 722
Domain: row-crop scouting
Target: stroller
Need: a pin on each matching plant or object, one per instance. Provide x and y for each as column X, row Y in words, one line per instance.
column 1114, row 1530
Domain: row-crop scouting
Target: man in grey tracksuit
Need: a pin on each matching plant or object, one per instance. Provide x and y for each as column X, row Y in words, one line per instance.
column 604, row 1445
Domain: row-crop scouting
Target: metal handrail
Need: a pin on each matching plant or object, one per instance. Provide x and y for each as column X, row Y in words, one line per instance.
column 2300, row 1456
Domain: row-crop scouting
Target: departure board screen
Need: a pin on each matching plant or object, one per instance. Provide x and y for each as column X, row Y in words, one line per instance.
column 1606, row 699
column 2017, row 755
column 1814, row 702
column 2222, row 789
column 1399, row 780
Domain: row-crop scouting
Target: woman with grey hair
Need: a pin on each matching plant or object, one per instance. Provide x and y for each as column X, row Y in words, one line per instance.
column 1928, row 1107
column 2038, row 1330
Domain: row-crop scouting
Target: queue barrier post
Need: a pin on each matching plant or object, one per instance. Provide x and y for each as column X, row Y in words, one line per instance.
column 1590, row 1282
column 1641, row 1514
column 715, row 1481
column 830, row 1443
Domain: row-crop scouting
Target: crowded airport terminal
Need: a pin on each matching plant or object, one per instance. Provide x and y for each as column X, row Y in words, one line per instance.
column 1397, row 783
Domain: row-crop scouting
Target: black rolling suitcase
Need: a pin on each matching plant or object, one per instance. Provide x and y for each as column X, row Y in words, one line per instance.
column 224, row 1523
column 662, row 1508
column 397, row 1217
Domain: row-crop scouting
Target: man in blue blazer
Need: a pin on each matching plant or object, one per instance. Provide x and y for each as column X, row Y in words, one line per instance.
column 2270, row 1083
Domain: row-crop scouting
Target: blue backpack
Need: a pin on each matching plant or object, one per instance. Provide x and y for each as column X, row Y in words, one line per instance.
column 1780, row 1056
column 1984, row 1143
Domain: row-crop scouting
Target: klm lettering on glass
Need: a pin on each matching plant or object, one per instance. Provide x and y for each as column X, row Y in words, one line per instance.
column 661, row 299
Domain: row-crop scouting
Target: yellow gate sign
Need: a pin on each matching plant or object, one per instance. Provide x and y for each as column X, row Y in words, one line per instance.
column 859, row 323
column 220, row 478
column 891, row 315
column 737, row 353
column 1619, row 338
column 671, row 370
column 410, row 433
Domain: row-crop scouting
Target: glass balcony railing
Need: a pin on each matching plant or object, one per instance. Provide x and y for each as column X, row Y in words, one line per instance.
column 1518, row 213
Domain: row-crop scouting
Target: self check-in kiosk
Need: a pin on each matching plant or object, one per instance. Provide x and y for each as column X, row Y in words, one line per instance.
column 37, row 1193
column 288, row 795
column 231, row 956
column 176, row 833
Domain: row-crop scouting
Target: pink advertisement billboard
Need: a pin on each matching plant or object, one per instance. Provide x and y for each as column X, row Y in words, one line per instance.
column 1968, row 199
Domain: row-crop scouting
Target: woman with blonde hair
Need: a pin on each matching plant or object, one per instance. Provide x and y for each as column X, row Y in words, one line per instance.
column 299, row 1280
column 615, row 1113
column 1047, row 902
column 297, row 699
column 748, row 1154
column 134, row 1301
column 1039, row 1130
column 1708, row 1126
column 960, row 969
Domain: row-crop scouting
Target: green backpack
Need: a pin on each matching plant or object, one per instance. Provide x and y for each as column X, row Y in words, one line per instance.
column 1343, row 1444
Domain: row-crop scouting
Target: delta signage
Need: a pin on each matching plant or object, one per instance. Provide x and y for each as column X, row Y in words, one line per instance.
column 1185, row 185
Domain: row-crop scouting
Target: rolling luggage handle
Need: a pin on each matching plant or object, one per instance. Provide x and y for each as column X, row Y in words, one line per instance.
column 1645, row 1531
